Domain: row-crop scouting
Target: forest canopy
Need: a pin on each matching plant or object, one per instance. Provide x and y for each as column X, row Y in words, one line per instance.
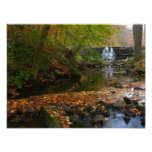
column 33, row 49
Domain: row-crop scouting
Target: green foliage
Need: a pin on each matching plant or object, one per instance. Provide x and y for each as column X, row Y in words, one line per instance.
column 18, row 77
column 64, row 43
column 45, row 61
column 91, row 55
column 131, row 61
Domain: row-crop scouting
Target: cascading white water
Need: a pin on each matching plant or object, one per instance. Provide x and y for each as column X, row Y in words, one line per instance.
column 105, row 53
column 111, row 54
column 108, row 54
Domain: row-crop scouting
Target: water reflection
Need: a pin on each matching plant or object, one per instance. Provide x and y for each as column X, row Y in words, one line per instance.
column 108, row 71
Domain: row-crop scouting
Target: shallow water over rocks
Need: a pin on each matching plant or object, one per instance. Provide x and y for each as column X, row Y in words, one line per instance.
column 104, row 77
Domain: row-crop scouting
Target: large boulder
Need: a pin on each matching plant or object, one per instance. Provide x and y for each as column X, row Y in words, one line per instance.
column 50, row 119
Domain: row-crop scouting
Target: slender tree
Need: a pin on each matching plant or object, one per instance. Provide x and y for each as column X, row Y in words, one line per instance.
column 137, row 33
column 38, row 51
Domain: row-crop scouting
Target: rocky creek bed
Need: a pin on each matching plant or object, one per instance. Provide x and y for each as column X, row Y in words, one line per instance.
column 105, row 108
column 105, row 97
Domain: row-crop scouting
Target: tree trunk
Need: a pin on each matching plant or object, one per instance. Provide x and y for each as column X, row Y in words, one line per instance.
column 37, row 55
column 137, row 33
column 65, row 38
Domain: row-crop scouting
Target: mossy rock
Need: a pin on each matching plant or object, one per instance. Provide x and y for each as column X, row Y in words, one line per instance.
column 50, row 119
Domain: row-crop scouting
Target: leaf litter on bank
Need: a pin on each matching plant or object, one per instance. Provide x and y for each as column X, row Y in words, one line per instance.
column 79, row 99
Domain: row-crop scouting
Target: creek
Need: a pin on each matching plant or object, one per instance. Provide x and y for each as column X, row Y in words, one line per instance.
column 90, row 81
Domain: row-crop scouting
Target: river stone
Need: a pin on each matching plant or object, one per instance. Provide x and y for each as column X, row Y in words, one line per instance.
column 97, row 125
column 127, row 100
column 81, row 115
column 34, row 114
column 104, row 104
column 81, row 123
column 130, row 113
column 126, row 119
column 97, row 66
column 99, row 111
column 13, row 116
column 65, row 107
column 74, row 118
column 142, row 121
column 88, row 109
column 129, row 106
column 21, row 119
column 98, row 118
column 117, row 105
column 135, row 102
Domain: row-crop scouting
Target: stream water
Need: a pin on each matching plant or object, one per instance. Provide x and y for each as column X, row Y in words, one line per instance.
column 116, row 120
column 89, row 81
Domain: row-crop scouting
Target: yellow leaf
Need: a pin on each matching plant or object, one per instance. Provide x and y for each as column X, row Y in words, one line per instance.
column 106, row 118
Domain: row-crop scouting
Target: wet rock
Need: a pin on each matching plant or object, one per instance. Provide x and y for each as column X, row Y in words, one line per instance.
column 75, row 109
column 98, row 125
column 104, row 104
column 97, row 66
column 128, row 106
column 81, row 123
column 65, row 107
column 87, row 120
column 142, row 121
column 82, row 115
column 32, row 114
column 130, row 113
column 127, row 100
column 69, row 113
column 88, row 109
column 126, row 119
column 99, row 111
column 92, row 114
column 53, row 104
column 107, row 114
column 97, row 118
column 21, row 119
column 13, row 116
column 117, row 105
column 135, row 102
column 74, row 118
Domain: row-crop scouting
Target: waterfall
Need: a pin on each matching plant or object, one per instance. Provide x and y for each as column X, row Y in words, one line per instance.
column 108, row 54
